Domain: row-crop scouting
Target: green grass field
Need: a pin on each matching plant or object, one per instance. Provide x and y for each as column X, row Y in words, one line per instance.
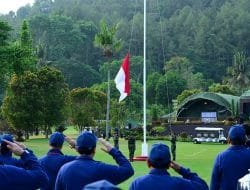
column 198, row 157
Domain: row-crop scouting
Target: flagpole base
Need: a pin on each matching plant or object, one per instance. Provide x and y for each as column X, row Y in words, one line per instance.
column 144, row 155
column 140, row 158
column 144, row 149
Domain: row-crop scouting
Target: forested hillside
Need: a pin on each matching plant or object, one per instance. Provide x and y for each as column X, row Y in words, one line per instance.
column 191, row 44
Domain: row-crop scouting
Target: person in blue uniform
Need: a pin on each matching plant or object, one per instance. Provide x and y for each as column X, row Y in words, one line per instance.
column 29, row 178
column 159, row 161
column 233, row 163
column 6, row 154
column 54, row 159
column 84, row 170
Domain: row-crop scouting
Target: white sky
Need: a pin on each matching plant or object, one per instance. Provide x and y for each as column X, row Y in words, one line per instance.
column 13, row 5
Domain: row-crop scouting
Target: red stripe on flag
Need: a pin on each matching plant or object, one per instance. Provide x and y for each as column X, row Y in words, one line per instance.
column 125, row 66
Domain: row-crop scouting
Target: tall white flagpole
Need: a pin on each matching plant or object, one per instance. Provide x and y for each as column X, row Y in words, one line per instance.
column 144, row 144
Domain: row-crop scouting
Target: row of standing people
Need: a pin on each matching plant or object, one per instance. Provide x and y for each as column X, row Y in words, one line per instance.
column 58, row 171
column 71, row 172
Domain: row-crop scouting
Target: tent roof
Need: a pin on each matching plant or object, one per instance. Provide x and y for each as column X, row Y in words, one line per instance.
column 225, row 100
column 246, row 94
column 170, row 115
column 221, row 99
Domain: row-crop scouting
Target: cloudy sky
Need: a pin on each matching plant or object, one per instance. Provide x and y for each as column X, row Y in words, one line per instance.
column 12, row 5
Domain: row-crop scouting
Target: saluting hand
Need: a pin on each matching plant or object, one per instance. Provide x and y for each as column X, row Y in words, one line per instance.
column 15, row 148
column 71, row 142
column 107, row 146
column 20, row 144
column 175, row 166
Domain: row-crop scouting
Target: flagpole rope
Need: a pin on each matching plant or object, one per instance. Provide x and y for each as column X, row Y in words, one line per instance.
column 129, row 47
column 164, row 59
column 130, row 44
column 132, row 27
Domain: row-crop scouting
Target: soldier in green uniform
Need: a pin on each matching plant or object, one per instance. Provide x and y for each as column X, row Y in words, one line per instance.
column 131, row 143
column 173, row 146
column 116, row 138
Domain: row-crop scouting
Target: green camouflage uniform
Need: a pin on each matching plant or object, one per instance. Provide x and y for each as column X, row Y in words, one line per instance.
column 116, row 140
column 173, row 146
column 131, row 146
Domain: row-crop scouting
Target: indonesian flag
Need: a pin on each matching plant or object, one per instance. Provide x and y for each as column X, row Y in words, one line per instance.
column 122, row 79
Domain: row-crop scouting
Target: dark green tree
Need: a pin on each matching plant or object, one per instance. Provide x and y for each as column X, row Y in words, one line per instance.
column 155, row 112
column 186, row 93
column 23, row 54
column 206, row 33
column 78, row 74
column 4, row 35
column 152, row 82
column 35, row 100
column 169, row 87
column 5, row 50
column 55, row 97
column 23, row 102
column 118, row 112
column 240, row 75
column 87, row 106
column 107, row 41
column 133, row 103
column 221, row 88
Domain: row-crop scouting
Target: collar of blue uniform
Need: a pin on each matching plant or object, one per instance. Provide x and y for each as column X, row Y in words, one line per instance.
column 84, row 157
column 54, row 151
column 7, row 154
column 159, row 171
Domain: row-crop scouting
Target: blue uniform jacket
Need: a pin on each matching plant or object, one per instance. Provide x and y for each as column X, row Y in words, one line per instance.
column 51, row 163
column 9, row 160
column 84, row 170
column 31, row 178
column 160, row 179
column 229, row 166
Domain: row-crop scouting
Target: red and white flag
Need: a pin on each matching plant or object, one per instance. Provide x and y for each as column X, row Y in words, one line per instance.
column 122, row 79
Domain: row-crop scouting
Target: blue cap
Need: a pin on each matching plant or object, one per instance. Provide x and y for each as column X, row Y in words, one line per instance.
column 86, row 140
column 237, row 132
column 159, row 155
column 7, row 137
column 4, row 149
column 101, row 185
column 56, row 139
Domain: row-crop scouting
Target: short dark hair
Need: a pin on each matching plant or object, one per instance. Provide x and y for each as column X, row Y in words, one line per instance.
column 4, row 149
column 238, row 141
column 247, row 128
column 159, row 165
column 56, row 145
column 86, row 151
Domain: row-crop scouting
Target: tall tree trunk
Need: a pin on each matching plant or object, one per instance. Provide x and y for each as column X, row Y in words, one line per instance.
column 46, row 130
column 36, row 131
column 108, row 107
column 27, row 135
